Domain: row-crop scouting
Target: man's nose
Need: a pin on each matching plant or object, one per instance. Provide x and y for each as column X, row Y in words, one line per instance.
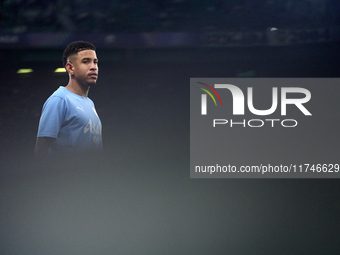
column 94, row 66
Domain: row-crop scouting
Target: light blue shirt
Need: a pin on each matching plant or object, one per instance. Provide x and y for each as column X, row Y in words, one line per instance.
column 72, row 120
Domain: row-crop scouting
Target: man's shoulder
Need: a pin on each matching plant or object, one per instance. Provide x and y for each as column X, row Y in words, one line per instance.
column 56, row 99
column 60, row 93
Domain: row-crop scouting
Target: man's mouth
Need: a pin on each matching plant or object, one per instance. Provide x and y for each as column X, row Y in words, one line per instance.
column 93, row 75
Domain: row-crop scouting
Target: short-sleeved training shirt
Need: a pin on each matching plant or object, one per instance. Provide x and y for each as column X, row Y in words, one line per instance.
column 72, row 120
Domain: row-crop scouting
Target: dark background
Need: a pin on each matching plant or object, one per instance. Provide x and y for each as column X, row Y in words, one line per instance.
column 137, row 197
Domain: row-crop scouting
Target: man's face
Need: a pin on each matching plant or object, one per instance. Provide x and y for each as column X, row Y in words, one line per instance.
column 85, row 65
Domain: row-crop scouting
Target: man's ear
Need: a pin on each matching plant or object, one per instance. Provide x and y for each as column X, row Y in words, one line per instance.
column 69, row 68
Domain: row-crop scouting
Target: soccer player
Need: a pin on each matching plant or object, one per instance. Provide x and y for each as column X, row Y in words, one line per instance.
column 69, row 121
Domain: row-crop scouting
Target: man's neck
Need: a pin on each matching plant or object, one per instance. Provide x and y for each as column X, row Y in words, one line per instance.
column 78, row 89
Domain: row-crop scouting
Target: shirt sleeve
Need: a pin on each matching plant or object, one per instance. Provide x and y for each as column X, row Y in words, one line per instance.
column 52, row 117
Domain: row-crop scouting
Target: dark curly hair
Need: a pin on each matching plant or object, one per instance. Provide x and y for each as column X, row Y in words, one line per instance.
column 75, row 47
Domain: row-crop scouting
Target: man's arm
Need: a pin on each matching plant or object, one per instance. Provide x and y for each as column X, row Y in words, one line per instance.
column 42, row 146
column 51, row 119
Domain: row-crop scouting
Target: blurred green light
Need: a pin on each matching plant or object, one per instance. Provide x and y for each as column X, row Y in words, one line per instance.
column 27, row 70
column 60, row 70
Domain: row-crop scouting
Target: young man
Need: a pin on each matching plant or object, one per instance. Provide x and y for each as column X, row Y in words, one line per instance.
column 69, row 121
